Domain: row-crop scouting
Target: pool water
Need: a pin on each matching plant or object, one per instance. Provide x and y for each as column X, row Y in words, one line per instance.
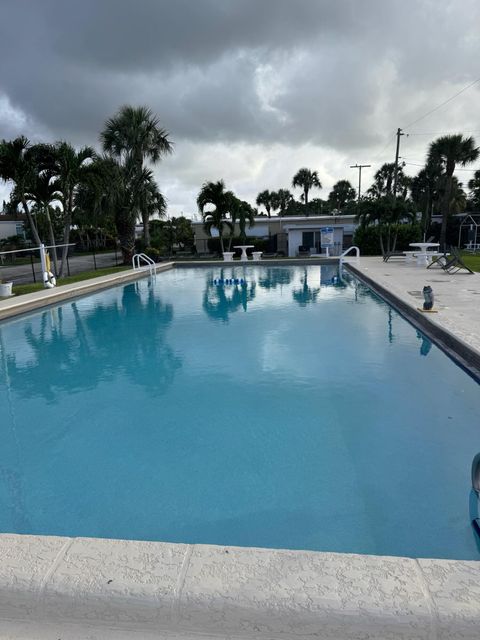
column 296, row 410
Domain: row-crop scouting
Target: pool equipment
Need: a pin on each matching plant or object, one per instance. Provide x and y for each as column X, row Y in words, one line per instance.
column 476, row 488
column 222, row 281
column 428, row 298
column 49, row 280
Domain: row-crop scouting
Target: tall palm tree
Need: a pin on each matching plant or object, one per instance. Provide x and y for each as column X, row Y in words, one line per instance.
column 306, row 179
column 342, row 193
column 426, row 191
column 69, row 166
column 242, row 213
column 43, row 191
column 383, row 181
column 264, row 199
column 449, row 151
column 281, row 199
column 213, row 193
column 474, row 186
column 134, row 136
column 17, row 165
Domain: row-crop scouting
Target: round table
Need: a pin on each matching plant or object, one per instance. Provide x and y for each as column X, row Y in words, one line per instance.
column 244, row 248
column 422, row 256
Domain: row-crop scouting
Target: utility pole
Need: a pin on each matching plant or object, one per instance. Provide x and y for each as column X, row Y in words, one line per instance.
column 395, row 170
column 359, row 167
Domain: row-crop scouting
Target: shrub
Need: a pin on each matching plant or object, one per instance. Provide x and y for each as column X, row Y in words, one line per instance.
column 153, row 253
column 367, row 239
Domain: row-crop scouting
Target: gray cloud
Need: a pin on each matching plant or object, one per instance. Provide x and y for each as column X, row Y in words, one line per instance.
column 240, row 76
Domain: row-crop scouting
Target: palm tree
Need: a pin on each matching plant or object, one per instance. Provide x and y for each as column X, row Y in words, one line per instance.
column 448, row 151
column 306, row 179
column 474, row 186
column 17, row 165
column 134, row 136
column 43, row 191
column 384, row 179
column 69, row 167
column 425, row 189
column 341, row 194
column 264, row 199
column 242, row 213
column 213, row 193
column 281, row 199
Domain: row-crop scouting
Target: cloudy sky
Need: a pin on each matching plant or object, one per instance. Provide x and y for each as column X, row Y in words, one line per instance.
column 249, row 90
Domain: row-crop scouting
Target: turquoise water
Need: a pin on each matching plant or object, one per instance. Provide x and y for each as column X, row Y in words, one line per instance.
column 292, row 411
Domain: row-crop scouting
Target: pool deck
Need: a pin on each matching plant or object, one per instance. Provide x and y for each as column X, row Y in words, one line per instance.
column 455, row 326
column 95, row 589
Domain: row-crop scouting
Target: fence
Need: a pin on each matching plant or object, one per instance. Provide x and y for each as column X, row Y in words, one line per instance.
column 31, row 270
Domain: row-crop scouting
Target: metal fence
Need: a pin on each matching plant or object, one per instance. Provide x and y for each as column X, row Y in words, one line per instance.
column 30, row 270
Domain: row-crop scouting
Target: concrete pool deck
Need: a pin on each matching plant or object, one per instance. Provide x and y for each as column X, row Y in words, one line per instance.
column 456, row 325
column 77, row 588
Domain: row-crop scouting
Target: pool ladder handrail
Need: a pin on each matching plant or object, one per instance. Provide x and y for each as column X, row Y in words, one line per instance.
column 148, row 263
column 347, row 251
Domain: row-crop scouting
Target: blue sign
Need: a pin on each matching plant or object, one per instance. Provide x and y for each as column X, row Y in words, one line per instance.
column 326, row 238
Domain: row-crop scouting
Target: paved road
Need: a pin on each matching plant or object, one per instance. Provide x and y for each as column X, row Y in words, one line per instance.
column 22, row 274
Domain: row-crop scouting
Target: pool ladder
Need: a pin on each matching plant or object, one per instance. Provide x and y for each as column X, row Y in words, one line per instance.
column 149, row 263
column 347, row 251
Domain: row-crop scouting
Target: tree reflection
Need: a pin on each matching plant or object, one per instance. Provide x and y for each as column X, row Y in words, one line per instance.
column 272, row 277
column 115, row 339
column 221, row 300
column 306, row 294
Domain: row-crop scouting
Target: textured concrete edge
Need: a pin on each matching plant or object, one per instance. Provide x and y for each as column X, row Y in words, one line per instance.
column 230, row 591
column 33, row 301
column 452, row 345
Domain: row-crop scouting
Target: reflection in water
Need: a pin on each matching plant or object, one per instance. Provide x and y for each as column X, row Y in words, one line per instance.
column 331, row 276
column 219, row 300
column 305, row 294
column 426, row 344
column 273, row 277
column 108, row 341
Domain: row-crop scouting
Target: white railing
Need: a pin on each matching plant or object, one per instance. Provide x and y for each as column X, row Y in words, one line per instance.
column 347, row 251
column 149, row 263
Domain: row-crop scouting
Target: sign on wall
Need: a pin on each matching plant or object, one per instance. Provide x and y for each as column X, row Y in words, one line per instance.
column 326, row 237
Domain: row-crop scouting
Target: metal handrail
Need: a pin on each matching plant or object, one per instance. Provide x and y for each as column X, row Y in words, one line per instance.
column 347, row 251
column 148, row 261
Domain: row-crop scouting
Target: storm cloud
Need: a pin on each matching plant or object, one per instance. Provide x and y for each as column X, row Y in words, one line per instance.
column 249, row 90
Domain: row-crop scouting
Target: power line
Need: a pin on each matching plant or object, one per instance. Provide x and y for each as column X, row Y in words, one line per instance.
column 414, row 164
column 442, row 104
column 438, row 133
column 392, row 137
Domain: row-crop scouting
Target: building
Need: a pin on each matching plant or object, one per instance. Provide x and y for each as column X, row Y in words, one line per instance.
column 11, row 226
column 287, row 234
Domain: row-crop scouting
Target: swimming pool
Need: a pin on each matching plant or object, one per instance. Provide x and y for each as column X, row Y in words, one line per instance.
column 293, row 410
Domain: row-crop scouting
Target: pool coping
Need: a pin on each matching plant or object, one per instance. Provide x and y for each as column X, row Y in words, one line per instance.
column 105, row 589
column 455, row 347
column 100, row 588
column 15, row 306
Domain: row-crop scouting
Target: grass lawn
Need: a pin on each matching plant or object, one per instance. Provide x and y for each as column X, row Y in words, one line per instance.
column 471, row 260
column 20, row 289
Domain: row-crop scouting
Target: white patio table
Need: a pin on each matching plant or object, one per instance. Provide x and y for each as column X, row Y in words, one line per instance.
column 244, row 248
column 423, row 253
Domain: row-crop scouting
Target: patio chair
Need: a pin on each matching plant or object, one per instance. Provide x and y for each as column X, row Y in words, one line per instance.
column 440, row 260
column 303, row 252
column 456, row 262
column 393, row 254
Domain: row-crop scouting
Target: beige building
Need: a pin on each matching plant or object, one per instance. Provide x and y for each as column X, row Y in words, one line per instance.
column 285, row 235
